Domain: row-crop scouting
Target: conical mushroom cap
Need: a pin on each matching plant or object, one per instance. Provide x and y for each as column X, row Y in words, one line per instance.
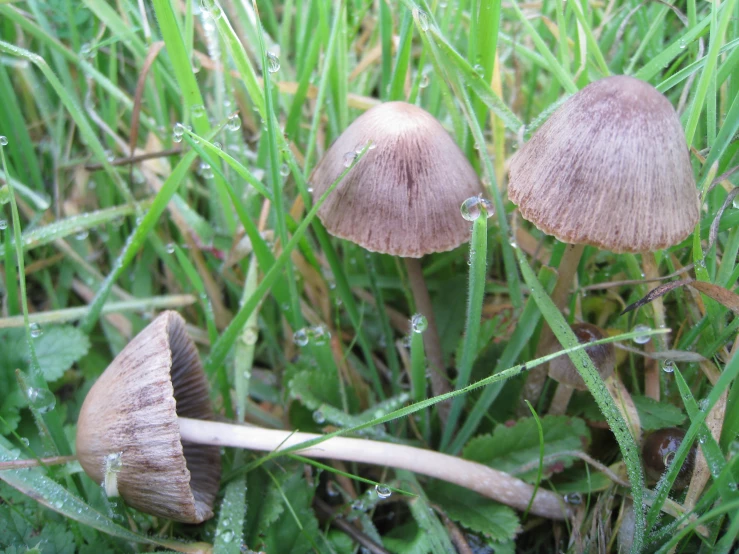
column 561, row 368
column 403, row 197
column 609, row 168
column 132, row 409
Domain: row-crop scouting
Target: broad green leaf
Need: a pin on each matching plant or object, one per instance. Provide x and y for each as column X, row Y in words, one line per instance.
column 656, row 415
column 475, row 512
column 510, row 448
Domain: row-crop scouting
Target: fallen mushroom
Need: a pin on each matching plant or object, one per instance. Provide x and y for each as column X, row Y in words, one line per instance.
column 144, row 424
column 610, row 168
column 562, row 370
column 658, row 451
column 403, row 198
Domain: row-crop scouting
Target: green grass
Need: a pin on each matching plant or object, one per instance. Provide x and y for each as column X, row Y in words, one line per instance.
column 222, row 227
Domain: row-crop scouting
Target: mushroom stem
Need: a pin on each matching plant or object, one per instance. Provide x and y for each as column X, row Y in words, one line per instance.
column 652, row 370
column 560, row 399
column 431, row 342
column 537, row 376
column 485, row 480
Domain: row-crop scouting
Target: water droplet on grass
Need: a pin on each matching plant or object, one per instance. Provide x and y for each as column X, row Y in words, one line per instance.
column 383, row 491
column 473, row 207
column 423, row 20
column 273, row 63
column 35, row 330
column 349, row 158
column 641, row 328
column 668, row 366
column 42, row 400
column 300, row 337
column 3, row 140
column 318, row 417
column 419, row 323
column 234, row 123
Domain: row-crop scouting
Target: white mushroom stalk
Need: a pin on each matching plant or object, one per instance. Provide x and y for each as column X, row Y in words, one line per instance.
column 480, row 478
column 145, row 431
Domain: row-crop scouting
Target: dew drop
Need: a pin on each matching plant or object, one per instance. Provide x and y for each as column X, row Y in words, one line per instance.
column 234, row 123
column 349, row 158
column 667, row 460
column 332, row 489
column 82, row 235
column 114, row 462
column 318, row 417
column 321, row 335
column 425, row 80
column 4, row 194
column 479, row 69
column 668, row 366
column 419, row 323
column 423, row 20
column 284, row 170
column 682, row 44
column 3, row 224
column 198, row 111
column 641, row 328
column 358, row 505
column 42, row 400
column 35, row 330
column 206, row 170
column 227, row 536
column 573, row 498
column 383, row 491
column 273, row 63
column 472, row 208
column 170, row 248
column 25, row 442
column 197, row 65
column 300, row 337
column 249, row 336
column 3, row 140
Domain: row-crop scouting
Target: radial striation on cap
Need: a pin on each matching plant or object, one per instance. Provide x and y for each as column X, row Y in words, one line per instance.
column 403, row 197
column 132, row 409
column 609, row 168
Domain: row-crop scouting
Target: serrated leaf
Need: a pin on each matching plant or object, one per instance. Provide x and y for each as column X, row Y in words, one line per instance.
column 55, row 538
column 57, row 348
column 656, row 415
column 510, row 448
column 294, row 532
column 475, row 512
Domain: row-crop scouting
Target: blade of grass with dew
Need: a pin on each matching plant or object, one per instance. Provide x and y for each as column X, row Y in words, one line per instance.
column 731, row 507
column 478, row 269
column 708, row 73
column 229, row 535
column 657, row 64
column 138, row 236
column 41, row 236
column 712, row 452
column 584, row 365
column 418, row 376
column 418, row 406
column 662, row 490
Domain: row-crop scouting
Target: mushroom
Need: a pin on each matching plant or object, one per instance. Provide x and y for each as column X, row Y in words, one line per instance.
column 658, row 451
column 610, row 168
column 148, row 415
column 562, row 370
column 403, row 199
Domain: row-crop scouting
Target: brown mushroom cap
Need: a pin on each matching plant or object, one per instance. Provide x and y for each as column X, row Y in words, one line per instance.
column 657, row 450
column 609, row 168
column 403, row 197
column 132, row 409
column 561, row 368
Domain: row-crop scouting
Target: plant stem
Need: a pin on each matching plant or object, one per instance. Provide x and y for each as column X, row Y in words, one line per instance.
column 431, row 342
column 652, row 370
column 477, row 477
